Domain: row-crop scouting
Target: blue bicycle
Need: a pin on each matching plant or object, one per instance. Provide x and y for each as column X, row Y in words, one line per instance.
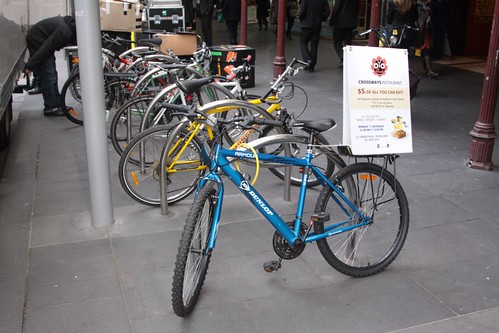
column 360, row 222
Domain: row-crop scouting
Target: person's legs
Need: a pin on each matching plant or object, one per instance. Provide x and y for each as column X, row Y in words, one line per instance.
column 232, row 31
column 35, row 86
column 207, row 30
column 314, row 46
column 305, row 36
column 291, row 22
column 47, row 74
column 341, row 37
column 338, row 43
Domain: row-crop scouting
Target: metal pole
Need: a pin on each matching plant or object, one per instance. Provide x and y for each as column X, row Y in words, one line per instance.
column 375, row 21
column 280, row 59
column 244, row 22
column 92, row 88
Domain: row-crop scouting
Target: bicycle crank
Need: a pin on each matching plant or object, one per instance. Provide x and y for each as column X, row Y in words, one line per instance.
column 283, row 249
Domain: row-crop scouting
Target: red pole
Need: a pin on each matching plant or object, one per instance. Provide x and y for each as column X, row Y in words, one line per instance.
column 244, row 22
column 280, row 59
column 483, row 133
column 375, row 21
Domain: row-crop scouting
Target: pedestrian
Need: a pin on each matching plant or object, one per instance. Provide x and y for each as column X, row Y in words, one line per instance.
column 401, row 13
column 312, row 13
column 439, row 13
column 343, row 21
column 204, row 10
column 262, row 12
column 424, row 24
column 43, row 39
column 291, row 11
column 274, row 12
column 189, row 15
column 232, row 15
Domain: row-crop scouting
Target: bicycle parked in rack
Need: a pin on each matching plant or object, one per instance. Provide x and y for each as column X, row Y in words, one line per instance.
column 360, row 222
column 139, row 167
column 140, row 164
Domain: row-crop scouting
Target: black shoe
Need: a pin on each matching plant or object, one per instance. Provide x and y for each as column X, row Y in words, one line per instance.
column 53, row 112
column 35, row 91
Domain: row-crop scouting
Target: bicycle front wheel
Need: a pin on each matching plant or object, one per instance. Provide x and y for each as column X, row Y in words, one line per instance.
column 193, row 256
column 366, row 250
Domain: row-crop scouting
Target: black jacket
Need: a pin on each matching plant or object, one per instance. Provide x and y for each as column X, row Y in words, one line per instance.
column 48, row 36
column 397, row 19
column 313, row 13
column 344, row 14
column 205, row 7
column 232, row 10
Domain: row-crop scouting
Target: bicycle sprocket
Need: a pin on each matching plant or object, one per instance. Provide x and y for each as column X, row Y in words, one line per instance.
column 283, row 249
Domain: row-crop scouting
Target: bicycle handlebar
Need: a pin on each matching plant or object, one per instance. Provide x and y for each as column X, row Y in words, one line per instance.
column 290, row 71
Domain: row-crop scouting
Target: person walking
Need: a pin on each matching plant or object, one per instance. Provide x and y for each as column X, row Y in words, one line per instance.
column 262, row 12
column 312, row 13
column 232, row 14
column 189, row 15
column 424, row 24
column 343, row 21
column 205, row 13
column 291, row 11
column 43, row 39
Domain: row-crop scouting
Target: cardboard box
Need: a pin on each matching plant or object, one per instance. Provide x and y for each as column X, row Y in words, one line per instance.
column 181, row 44
column 119, row 16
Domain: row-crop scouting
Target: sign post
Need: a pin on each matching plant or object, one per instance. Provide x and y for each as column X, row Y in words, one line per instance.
column 376, row 101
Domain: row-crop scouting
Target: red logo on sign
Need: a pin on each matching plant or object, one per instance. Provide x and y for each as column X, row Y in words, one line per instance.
column 379, row 66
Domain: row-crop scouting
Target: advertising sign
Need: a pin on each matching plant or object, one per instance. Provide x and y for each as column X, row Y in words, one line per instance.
column 376, row 101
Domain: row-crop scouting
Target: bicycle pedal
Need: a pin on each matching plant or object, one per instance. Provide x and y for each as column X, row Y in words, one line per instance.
column 271, row 266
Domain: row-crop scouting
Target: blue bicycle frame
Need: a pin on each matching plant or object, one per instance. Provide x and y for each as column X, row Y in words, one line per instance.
column 221, row 162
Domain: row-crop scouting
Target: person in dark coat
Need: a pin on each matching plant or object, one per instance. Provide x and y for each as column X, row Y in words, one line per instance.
column 312, row 13
column 43, row 39
column 232, row 14
column 189, row 16
column 205, row 13
column 262, row 12
column 343, row 21
column 400, row 13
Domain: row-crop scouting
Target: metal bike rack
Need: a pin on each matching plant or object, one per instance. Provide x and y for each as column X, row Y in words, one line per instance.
column 163, row 186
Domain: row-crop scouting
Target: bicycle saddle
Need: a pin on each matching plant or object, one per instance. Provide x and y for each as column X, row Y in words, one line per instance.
column 193, row 85
column 321, row 125
column 149, row 42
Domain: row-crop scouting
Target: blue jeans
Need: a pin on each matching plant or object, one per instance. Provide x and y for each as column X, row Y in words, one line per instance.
column 47, row 75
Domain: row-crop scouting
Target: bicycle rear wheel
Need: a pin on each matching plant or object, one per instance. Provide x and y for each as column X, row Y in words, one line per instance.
column 193, row 257
column 126, row 122
column 140, row 166
column 366, row 250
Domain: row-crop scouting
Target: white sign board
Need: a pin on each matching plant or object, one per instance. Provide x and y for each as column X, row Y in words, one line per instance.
column 376, row 101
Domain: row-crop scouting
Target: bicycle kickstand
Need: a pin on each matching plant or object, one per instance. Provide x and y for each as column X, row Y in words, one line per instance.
column 272, row 265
